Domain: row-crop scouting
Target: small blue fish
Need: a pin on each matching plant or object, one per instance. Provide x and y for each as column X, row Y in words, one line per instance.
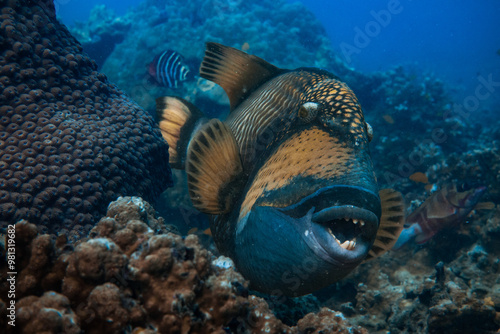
column 168, row 69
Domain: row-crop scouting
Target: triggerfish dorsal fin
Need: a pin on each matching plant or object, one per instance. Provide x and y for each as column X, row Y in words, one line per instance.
column 213, row 168
column 391, row 222
column 177, row 119
column 238, row 73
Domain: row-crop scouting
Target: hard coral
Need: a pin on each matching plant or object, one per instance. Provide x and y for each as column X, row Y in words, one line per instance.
column 150, row 281
column 70, row 142
column 50, row 313
column 327, row 321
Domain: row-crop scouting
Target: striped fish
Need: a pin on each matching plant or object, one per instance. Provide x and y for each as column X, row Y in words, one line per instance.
column 168, row 69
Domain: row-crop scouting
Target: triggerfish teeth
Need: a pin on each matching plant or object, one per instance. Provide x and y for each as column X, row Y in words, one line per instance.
column 348, row 244
column 306, row 196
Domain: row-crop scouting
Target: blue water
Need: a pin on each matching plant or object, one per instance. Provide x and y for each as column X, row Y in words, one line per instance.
column 458, row 41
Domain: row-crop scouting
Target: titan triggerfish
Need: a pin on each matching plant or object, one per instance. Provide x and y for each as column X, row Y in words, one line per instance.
column 287, row 178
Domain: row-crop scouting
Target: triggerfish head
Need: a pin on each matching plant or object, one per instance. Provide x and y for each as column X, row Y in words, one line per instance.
column 287, row 177
column 445, row 208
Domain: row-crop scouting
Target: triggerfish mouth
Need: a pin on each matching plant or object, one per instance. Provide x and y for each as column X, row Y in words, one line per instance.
column 287, row 177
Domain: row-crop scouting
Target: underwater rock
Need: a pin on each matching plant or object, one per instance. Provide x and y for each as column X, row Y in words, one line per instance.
column 101, row 33
column 70, row 140
column 132, row 272
column 298, row 39
column 478, row 166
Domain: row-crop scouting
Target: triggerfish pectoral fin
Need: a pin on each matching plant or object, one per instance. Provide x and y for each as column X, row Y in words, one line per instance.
column 213, row 168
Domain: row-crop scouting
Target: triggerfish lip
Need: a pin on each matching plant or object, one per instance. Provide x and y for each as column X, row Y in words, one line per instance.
column 342, row 223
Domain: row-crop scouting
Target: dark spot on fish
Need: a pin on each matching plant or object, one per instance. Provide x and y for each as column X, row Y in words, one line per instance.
column 204, row 140
column 196, row 146
column 195, row 158
column 195, row 170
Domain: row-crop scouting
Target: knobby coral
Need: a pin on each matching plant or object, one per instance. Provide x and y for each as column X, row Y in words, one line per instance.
column 133, row 274
column 70, row 141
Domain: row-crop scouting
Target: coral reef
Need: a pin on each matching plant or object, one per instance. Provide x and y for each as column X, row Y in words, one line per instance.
column 49, row 313
column 70, row 141
column 133, row 274
column 430, row 291
column 298, row 39
column 405, row 107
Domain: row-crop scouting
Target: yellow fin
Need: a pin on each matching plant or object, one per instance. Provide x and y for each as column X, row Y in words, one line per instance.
column 391, row 222
column 238, row 73
column 213, row 168
column 176, row 119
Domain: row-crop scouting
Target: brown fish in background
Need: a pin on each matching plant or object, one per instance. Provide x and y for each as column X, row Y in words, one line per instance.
column 287, row 176
column 443, row 209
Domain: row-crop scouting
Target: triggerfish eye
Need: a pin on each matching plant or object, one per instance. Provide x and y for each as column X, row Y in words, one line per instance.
column 308, row 111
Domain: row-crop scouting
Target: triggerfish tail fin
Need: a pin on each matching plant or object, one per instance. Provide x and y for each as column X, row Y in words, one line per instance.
column 177, row 119
column 238, row 73
column 213, row 168
column 391, row 222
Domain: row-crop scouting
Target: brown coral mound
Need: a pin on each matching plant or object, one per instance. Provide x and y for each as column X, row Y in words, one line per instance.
column 70, row 142
column 133, row 275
